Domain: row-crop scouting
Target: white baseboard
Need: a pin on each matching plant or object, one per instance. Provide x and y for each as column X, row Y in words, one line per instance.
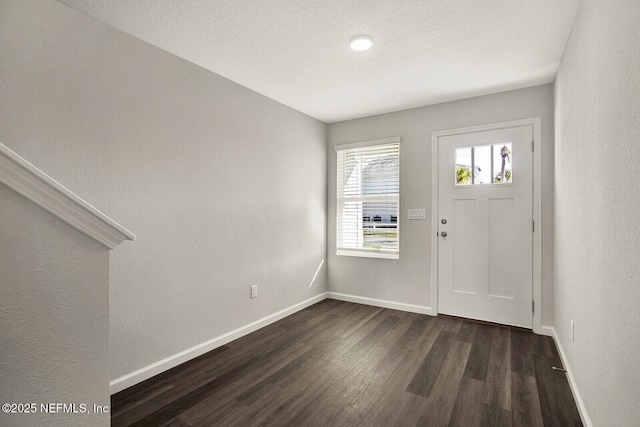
column 551, row 331
column 548, row 331
column 156, row 368
column 420, row 309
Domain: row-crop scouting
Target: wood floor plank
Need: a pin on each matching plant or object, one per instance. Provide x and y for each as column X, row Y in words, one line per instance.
column 299, row 405
column 449, row 323
column 213, row 414
column 407, row 413
column 494, row 416
column 344, row 364
column 426, row 376
column 252, row 393
column 498, row 381
column 365, row 345
column 410, row 412
column 526, row 410
column 411, row 337
column 445, row 391
column 174, row 422
column 428, row 337
column 467, row 331
column 249, row 375
column 469, row 406
column 178, row 406
column 521, row 350
column 361, row 368
column 330, row 386
column 258, row 413
column 391, row 407
column 140, row 398
column 544, row 345
column 247, row 388
column 401, row 333
column 479, row 355
column 299, row 402
column 365, row 383
column 360, row 324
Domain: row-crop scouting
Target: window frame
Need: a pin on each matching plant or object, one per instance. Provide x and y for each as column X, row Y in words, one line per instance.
column 473, row 165
column 343, row 249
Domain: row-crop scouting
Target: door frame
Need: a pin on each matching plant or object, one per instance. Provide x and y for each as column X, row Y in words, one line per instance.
column 535, row 123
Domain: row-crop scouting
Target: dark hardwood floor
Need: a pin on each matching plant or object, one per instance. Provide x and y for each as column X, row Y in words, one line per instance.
column 343, row 364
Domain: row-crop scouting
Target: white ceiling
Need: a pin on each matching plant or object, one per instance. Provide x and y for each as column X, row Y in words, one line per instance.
column 296, row 51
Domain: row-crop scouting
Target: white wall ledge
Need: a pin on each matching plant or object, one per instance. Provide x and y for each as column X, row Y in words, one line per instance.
column 36, row 186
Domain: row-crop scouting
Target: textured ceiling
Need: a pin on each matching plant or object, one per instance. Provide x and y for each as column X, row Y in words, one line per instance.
column 296, row 51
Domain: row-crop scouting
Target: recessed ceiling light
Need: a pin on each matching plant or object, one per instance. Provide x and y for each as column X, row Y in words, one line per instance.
column 361, row 43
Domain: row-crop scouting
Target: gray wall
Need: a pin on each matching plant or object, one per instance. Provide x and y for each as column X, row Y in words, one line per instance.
column 408, row 279
column 223, row 187
column 54, row 316
column 597, row 208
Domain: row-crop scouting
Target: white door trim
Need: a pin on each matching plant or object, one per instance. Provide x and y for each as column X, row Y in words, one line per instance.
column 535, row 122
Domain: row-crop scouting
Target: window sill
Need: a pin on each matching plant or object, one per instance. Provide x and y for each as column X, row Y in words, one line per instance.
column 367, row 254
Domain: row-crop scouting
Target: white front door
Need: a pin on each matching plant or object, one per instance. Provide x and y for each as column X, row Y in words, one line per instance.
column 485, row 218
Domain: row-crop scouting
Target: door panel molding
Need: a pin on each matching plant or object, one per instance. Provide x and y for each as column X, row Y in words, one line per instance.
column 535, row 123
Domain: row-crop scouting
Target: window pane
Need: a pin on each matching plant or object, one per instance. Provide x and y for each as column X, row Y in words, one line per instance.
column 463, row 166
column 380, row 173
column 482, row 165
column 380, row 225
column 350, row 225
column 502, row 172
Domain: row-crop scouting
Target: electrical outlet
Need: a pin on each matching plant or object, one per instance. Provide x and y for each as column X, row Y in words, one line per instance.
column 254, row 291
column 573, row 336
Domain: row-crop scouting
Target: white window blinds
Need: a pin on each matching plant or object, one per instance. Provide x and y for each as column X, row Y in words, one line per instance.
column 368, row 195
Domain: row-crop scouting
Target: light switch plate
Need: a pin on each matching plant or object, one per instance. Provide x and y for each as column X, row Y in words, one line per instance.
column 417, row 214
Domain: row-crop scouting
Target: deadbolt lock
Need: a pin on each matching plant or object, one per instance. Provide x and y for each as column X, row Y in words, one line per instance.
column 444, row 221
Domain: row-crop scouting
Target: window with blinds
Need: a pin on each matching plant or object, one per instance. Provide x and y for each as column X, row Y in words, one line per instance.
column 368, row 198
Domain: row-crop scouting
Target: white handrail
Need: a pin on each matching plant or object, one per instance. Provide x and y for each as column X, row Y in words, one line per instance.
column 36, row 186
